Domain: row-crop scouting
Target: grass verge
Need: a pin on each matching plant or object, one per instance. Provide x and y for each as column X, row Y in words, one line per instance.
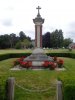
column 31, row 79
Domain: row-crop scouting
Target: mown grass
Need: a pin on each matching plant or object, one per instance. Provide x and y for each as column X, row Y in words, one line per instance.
column 30, row 51
column 32, row 79
column 59, row 51
column 2, row 51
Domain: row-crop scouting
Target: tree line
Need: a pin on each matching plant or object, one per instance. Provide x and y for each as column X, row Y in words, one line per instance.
column 13, row 41
column 53, row 39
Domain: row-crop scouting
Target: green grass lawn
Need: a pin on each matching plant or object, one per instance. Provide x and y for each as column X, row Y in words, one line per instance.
column 42, row 79
column 30, row 51
column 59, row 51
column 2, row 51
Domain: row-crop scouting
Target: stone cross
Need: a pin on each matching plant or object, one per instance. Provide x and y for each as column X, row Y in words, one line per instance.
column 38, row 9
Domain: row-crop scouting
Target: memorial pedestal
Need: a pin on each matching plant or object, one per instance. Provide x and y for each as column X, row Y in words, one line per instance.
column 38, row 57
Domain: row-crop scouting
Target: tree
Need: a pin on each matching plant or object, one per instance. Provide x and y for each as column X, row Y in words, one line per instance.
column 18, row 45
column 23, row 44
column 13, row 39
column 4, row 41
column 22, row 35
column 26, row 43
column 67, row 41
column 60, row 38
column 28, row 38
column 46, row 40
column 56, row 39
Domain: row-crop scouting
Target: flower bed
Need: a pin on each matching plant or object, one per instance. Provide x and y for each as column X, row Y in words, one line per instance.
column 50, row 65
column 60, row 63
column 46, row 64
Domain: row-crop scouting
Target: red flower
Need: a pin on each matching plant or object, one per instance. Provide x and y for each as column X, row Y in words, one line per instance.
column 26, row 64
column 55, row 58
column 20, row 59
column 29, row 63
column 23, row 63
column 46, row 63
column 60, row 61
column 52, row 65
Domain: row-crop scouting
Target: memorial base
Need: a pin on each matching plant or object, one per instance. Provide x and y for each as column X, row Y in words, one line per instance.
column 38, row 57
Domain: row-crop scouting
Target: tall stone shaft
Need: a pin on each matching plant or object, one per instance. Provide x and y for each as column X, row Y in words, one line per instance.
column 38, row 21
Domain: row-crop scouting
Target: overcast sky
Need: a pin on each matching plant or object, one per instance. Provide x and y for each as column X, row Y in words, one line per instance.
column 17, row 15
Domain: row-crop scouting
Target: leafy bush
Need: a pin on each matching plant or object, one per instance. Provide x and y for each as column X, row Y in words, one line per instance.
column 13, row 55
column 17, row 55
column 4, row 56
column 2, row 89
column 69, row 92
column 68, row 87
column 69, row 55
